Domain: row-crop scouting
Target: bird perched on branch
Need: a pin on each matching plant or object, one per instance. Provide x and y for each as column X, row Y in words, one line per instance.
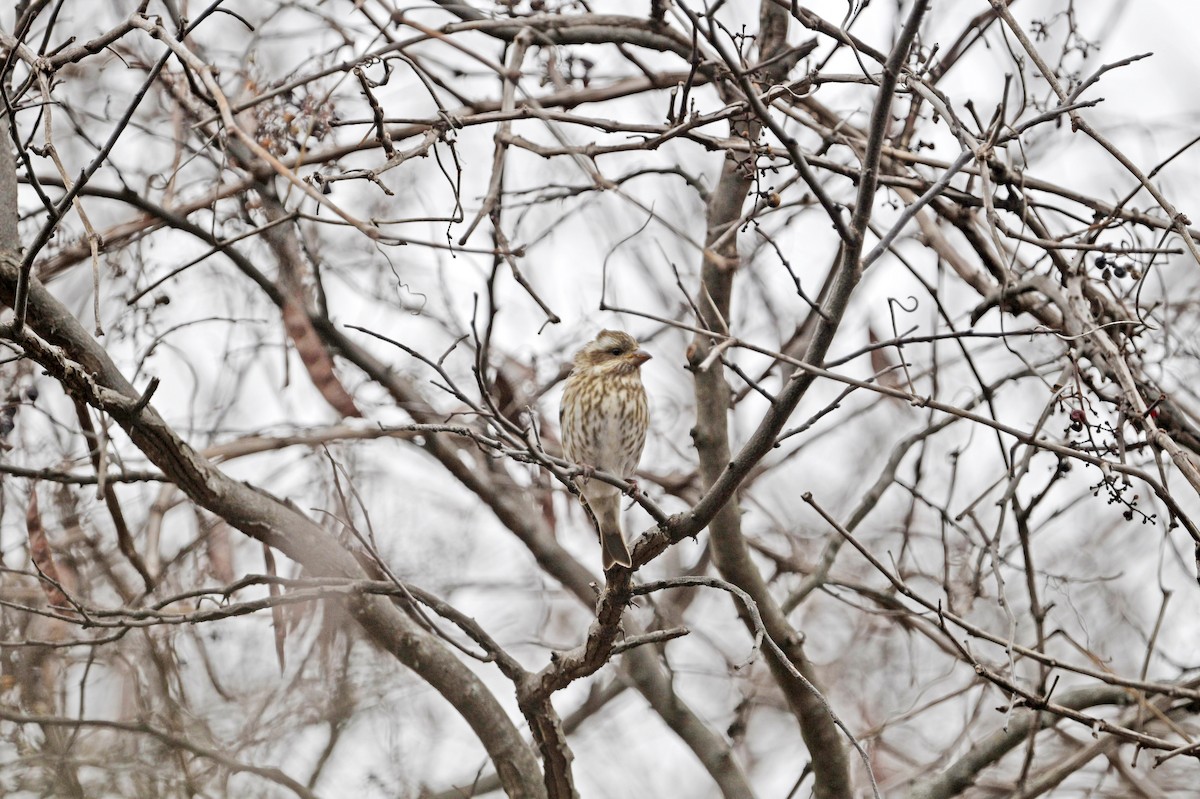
column 604, row 420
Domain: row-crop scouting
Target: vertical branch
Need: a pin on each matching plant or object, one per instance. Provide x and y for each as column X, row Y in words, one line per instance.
column 10, row 238
column 124, row 538
column 711, row 435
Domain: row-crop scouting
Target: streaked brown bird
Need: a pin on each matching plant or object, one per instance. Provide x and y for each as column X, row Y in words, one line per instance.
column 604, row 420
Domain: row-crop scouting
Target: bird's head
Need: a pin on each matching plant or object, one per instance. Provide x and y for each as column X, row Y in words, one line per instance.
column 612, row 351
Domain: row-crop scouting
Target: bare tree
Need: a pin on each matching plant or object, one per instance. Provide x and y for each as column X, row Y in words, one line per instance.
column 291, row 289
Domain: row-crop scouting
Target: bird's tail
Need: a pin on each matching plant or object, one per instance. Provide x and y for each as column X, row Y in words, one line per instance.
column 607, row 508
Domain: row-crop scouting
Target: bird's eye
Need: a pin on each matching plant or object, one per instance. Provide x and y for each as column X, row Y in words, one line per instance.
column 615, row 351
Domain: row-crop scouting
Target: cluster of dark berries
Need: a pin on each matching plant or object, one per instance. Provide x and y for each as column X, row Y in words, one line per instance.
column 1115, row 266
column 1117, row 490
column 1102, row 437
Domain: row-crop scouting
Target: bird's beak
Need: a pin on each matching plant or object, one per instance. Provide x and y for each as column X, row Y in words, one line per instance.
column 639, row 357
